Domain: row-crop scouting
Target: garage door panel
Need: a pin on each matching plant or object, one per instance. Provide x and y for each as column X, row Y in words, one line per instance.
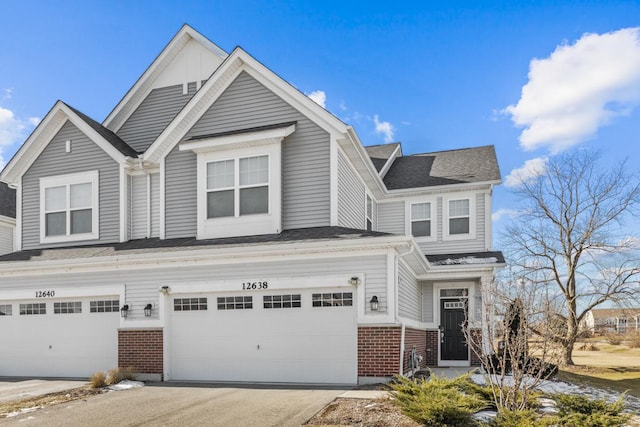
column 296, row 344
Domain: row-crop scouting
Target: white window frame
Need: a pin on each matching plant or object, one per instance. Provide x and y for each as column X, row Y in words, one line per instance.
column 67, row 180
column 434, row 223
column 368, row 216
column 472, row 217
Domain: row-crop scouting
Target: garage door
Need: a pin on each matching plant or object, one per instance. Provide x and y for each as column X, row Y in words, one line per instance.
column 281, row 336
column 58, row 338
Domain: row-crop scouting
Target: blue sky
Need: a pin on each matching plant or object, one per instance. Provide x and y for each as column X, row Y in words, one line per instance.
column 433, row 75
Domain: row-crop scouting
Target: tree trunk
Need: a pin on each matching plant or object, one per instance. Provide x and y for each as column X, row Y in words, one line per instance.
column 569, row 342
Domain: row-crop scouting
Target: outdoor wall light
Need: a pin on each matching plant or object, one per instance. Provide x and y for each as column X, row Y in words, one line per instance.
column 374, row 303
column 147, row 310
column 165, row 290
column 354, row 281
column 124, row 311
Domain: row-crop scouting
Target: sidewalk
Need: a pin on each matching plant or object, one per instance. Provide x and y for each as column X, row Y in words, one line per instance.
column 15, row 389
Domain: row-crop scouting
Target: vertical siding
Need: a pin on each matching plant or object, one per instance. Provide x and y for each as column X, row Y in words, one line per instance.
column 85, row 156
column 153, row 115
column 427, row 302
column 138, row 206
column 6, row 239
column 391, row 217
column 180, row 194
column 305, row 154
column 409, row 294
column 351, row 196
column 155, row 205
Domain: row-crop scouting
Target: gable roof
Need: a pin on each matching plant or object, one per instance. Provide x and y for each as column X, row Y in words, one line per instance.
column 59, row 114
column 606, row 313
column 143, row 86
column 380, row 154
column 462, row 166
column 7, row 201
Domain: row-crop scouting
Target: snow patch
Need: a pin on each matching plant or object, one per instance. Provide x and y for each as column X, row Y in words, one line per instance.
column 466, row 260
column 22, row 411
column 126, row 385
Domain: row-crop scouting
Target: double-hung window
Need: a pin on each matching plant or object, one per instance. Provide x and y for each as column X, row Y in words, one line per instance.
column 421, row 219
column 69, row 207
column 237, row 187
column 460, row 221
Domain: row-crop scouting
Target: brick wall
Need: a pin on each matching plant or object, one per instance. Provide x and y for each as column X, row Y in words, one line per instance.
column 141, row 349
column 418, row 338
column 432, row 338
column 378, row 351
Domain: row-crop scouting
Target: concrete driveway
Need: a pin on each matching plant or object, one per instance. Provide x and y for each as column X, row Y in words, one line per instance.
column 186, row 405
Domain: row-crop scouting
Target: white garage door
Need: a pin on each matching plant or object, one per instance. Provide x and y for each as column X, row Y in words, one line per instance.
column 280, row 336
column 58, row 338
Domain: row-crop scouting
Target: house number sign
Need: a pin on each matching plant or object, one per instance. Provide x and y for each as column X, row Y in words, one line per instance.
column 249, row 286
column 45, row 294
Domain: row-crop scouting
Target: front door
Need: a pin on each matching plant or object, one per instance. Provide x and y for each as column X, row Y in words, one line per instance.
column 453, row 344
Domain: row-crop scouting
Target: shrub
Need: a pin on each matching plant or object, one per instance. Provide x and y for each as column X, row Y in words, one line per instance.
column 508, row 418
column 438, row 401
column 116, row 375
column 98, row 380
column 581, row 411
column 614, row 339
column 634, row 339
column 588, row 347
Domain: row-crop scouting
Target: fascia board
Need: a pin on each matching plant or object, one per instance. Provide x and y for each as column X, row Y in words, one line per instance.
column 143, row 85
column 459, row 272
column 226, row 255
column 353, row 140
column 390, row 160
column 41, row 137
column 7, row 220
column 275, row 135
column 439, row 189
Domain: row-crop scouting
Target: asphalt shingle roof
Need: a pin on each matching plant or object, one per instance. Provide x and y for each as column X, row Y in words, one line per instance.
column 143, row 246
column 380, row 154
column 467, row 165
column 111, row 137
column 7, row 201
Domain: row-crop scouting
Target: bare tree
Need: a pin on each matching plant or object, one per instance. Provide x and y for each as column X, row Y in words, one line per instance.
column 569, row 236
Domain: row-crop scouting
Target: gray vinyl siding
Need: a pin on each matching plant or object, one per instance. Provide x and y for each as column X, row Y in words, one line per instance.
column 409, row 294
column 351, row 196
column 6, row 239
column 477, row 303
column 85, row 156
column 374, row 206
column 153, row 115
column 305, row 154
column 141, row 286
column 138, row 206
column 181, row 193
column 427, row 302
column 155, row 205
column 391, row 217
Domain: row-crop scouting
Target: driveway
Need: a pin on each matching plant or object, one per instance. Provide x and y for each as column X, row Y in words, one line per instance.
column 177, row 405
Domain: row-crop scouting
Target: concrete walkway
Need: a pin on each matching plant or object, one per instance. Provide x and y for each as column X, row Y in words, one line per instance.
column 14, row 389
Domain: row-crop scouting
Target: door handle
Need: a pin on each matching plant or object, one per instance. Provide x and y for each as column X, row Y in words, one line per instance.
column 441, row 334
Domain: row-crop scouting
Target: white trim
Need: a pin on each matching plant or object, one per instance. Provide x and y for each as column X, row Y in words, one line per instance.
column 333, row 182
column 472, row 216
column 124, row 219
column 488, row 221
column 390, row 161
column 437, row 286
column 238, row 140
column 392, row 284
column 17, row 241
column 148, row 205
column 7, row 220
column 368, row 198
column 91, row 177
column 161, row 182
column 433, row 206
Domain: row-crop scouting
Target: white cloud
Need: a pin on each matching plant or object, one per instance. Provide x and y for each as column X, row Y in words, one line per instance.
column 497, row 215
column 384, row 128
column 12, row 130
column 319, row 97
column 529, row 170
column 577, row 89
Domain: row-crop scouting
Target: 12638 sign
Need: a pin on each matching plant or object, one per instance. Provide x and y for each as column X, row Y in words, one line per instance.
column 250, row 286
column 46, row 294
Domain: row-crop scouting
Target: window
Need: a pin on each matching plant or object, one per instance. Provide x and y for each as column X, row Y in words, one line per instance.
column 281, row 301
column 459, row 216
column 33, row 308
column 369, row 214
column 336, row 299
column 5, row 310
column 69, row 207
column 67, row 307
column 235, row 303
column 107, row 306
column 189, row 304
column 421, row 219
column 238, row 187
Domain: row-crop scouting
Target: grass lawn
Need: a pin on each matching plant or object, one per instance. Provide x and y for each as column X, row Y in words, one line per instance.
column 616, row 367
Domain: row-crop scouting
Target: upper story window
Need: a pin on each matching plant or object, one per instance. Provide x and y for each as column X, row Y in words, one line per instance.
column 239, row 181
column 421, row 219
column 460, row 218
column 369, row 213
column 238, row 187
column 69, row 207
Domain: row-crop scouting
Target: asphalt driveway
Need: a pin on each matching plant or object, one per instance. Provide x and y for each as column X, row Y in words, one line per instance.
column 185, row 405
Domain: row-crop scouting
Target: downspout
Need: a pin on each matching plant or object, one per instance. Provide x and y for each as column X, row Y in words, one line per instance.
column 402, row 330
column 402, row 324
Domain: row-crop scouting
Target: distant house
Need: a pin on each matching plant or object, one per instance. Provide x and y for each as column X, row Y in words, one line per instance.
column 7, row 218
column 605, row 320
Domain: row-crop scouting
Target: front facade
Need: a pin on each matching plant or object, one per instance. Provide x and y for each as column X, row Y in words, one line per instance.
column 612, row 320
column 219, row 225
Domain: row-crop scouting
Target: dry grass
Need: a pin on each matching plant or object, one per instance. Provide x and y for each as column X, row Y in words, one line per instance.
column 115, row 375
column 361, row 413
column 10, row 407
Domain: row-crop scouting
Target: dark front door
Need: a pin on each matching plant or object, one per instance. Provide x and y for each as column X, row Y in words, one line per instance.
column 452, row 318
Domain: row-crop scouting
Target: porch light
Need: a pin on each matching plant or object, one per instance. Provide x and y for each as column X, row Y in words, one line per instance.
column 354, row 281
column 124, row 311
column 374, row 303
column 147, row 310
